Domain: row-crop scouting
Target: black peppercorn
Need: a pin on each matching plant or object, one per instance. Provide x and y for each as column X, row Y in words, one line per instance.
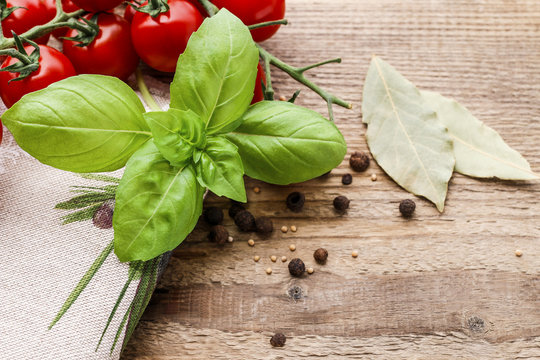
column 346, row 179
column 278, row 340
column 213, row 215
column 320, row 255
column 264, row 225
column 295, row 201
column 341, row 203
column 218, row 234
column 103, row 216
column 245, row 221
column 235, row 209
column 296, row 267
column 359, row 161
column 407, row 207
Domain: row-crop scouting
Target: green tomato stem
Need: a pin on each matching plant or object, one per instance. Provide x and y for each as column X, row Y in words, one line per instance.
column 148, row 99
column 268, row 23
column 210, row 8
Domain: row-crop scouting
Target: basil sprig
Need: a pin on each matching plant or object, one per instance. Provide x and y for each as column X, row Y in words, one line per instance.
column 208, row 137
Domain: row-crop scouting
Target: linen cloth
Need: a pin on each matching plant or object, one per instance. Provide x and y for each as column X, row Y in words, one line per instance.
column 42, row 261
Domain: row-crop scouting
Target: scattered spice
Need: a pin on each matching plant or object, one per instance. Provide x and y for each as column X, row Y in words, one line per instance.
column 341, row 203
column 268, row 271
column 218, row 234
column 284, row 229
column 359, row 161
column 230, row 239
column 251, row 242
column 235, row 209
column 292, row 247
column 406, row 208
column 256, row 189
column 278, row 340
column 213, row 215
column 273, row 258
column 282, row 98
column 104, row 215
column 346, row 179
column 296, row 267
column 354, row 254
column 321, row 255
column 264, row 225
column 310, row 271
column 295, row 201
column 373, row 177
column 283, row 258
column 245, row 221
column 519, row 253
column 256, row 258
column 293, row 228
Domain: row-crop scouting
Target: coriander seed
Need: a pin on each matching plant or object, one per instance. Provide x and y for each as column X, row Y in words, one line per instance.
column 230, row 239
column 278, row 340
column 284, row 229
column 354, row 254
column 282, row 98
column 346, row 179
column 292, row 247
column 320, row 255
column 341, row 203
column 264, row 225
column 293, row 228
column 251, row 242
column 245, row 221
column 218, row 234
column 295, row 201
column 213, row 215
column 407, row 207
column 283, row 258
column 310, row 271
column 273, row 258
column 373, row 177
column 359, row 161
column 296, row 267
column 256, row 258
column 256, row 189
column 268, row 271
column 519, row 253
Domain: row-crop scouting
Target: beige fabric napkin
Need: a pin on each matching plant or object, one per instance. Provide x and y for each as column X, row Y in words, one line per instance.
column 43, row 260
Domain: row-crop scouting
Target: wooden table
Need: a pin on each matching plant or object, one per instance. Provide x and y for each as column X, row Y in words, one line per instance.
column 438, row 286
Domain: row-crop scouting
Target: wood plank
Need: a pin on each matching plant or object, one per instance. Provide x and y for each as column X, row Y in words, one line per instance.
column 438, row 286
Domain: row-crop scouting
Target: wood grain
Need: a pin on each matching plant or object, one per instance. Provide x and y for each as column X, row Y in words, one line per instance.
column 438, row 286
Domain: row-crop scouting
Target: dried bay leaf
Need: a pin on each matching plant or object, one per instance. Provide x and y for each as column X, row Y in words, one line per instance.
column 479, row 150
column 404, row 135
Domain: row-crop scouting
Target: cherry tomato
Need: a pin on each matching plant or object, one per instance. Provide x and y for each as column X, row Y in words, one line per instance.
column 31, row 13
column 253, row 12
column 159, row 41
column 261, row 77
column 111, row 52
column 97, row 5
column 53, row 66
column 68, row 6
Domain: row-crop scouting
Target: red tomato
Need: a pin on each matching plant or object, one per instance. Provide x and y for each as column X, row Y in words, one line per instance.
column 97, row 5
column 130, row 12
column 253, row 12
column 159, row 41
column 111, row 52
column 261, row 77
column 53, row 66
column 31, row 13
column 68, row 6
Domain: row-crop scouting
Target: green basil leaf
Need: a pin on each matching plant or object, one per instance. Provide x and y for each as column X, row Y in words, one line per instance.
column 157, row 206
column 282, row 143
column 86, row 123
column 176, row 133
column 215, row 76
column 220, row 169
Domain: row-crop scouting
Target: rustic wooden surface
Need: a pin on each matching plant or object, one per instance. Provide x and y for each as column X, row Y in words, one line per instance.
column 435, row 287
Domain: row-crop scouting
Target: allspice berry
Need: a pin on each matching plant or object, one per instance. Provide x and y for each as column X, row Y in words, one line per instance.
column 341, row 203
column 295, row 201
column 245, row 221
column 320, row 255
column 264, row 225
column 296, row 267
column 278, row 340
column 213, row 215
column 359, row 161
column 218, row 234
column 346, row 179
column 407, row 207
column 235, row 209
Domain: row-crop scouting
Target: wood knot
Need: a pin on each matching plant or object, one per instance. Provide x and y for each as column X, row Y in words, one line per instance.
column 296, row 292
column 476, row 324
